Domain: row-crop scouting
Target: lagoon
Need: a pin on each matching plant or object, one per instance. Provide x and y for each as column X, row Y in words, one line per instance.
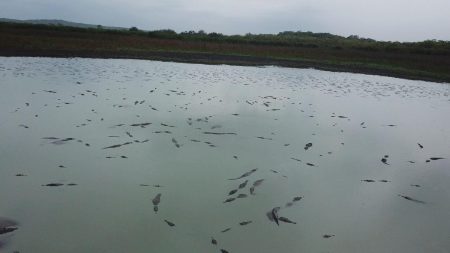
column 88, row 144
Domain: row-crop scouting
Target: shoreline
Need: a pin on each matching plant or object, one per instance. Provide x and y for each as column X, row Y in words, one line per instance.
column 226, row 59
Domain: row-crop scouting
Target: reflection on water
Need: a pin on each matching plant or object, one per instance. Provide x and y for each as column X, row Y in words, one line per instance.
column 141, row 156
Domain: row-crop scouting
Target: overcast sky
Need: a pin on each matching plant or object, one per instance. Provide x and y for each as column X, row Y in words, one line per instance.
column 396, row 20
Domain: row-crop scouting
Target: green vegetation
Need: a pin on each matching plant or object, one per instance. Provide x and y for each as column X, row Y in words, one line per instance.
column 427, row 60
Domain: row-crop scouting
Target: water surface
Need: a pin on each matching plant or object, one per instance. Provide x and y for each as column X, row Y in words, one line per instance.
column 184, row 130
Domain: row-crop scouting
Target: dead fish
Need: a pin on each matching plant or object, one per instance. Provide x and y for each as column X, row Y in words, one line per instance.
column 213, row 241
column 155, row 208
column 243, row 184
column 252, row 190
column 297, row 198
column 242, row 195
column 7, row 230
column 298, row 160
column 384, row 181
column 327, row 236
column 169, row 223
column 223, row 251
column 415, row 185
column 411, row 199
column 49, row 138
column 142, row 125
column 20, row 175
column 384, row 160
column 436, row 158
column 7, row 226
column 113, row 146
column 235, row 157
column 129, row 135
column 258, row 182
column 274, row 214
column 308, row 145
column 289, row 204
column 157, row 199
column 310, row 164
column 246, row 174
column 420, row 145
column 72, row 184
column 274, row 171
column 245, row 223
column 232, row 192
column 368, row 180
column 62, row 141
column 286, row 220
column 53, row 184
column 216, row 133
column 225, row 230
column 229, row 200
column 24, row 126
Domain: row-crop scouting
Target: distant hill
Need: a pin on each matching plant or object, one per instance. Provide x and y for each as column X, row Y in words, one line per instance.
column 57, row 22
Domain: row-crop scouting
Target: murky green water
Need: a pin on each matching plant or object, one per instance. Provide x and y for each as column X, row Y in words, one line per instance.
column 270, row 115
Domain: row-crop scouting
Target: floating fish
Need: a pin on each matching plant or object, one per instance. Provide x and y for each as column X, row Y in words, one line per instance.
column 327, row 236
column 252, row 190
column 7, row 226
column 274, row 214
column 232, row 192
column 225, row 230
column 53, row 184
column 223, row 251
column 142, row 125
column 229, row 200
column 242, row 195
column 169, row 223
column 243, row 223
column 420, row 145
column 157, row 199
column 246, row 174
column 411, row 199
column 113, row 146
column 215, row 133
column 213, row 241
column 368, row 180
column 258, row 182
column 263, row 138
column 436, row 158
column 308, row 145
column 297, row 199
column 243, row 184
column 286, row 220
